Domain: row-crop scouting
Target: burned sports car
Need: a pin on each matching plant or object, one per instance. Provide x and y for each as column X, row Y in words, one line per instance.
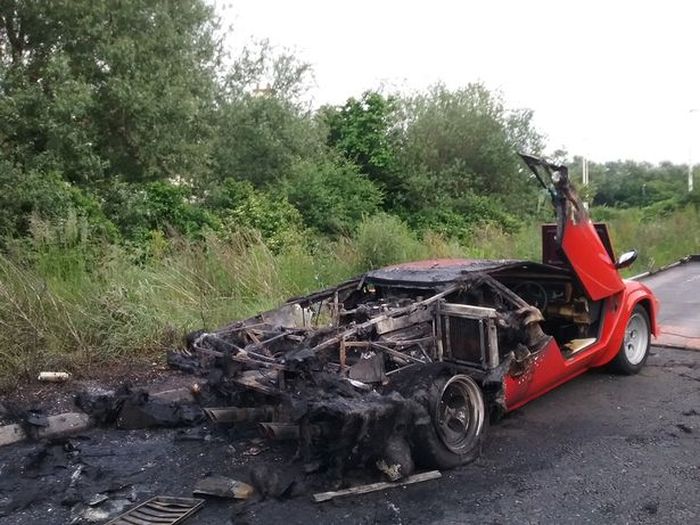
column 406, row 365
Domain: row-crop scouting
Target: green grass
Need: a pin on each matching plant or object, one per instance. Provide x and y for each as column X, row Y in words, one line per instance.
column 659, row 240
column 78, row 306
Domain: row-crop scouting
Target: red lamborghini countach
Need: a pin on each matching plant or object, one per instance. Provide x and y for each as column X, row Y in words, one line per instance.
column 406, row 365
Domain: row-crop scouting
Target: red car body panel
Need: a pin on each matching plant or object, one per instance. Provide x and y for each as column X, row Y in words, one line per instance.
column 549, row 368
column 590, row 260
column 597, row 273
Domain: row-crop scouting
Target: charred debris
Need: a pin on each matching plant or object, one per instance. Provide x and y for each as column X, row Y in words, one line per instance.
column 347, row 371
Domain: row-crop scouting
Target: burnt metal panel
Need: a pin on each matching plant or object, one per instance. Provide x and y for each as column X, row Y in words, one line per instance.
column 436, row 272
column 465, row 339
column 161, row 510
column 468, row 334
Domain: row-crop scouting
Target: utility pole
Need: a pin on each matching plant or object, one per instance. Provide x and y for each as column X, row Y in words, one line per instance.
column 690, row 177
column 690, row 148
column 584, row 178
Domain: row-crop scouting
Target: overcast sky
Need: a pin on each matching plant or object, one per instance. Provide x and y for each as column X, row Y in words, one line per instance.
column 609, row 79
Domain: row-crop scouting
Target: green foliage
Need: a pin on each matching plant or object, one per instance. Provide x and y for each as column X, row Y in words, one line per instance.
column 460, row 217
column 632, row 184
column 458, row 152
column 691, row 199
column 260, row 138
column 662, row 208
column 466, row 140
column 30, row 196
column 243, row 208
column 385, row 239
column 30, row 193
column 364, row 132
column 156, row 206
column 261, row 69
column 332, row 196
column 92, row 89
column 658, row 239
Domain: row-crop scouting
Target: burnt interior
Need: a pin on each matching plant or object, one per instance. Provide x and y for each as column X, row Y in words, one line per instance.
column 336, row 362
column 569, row 316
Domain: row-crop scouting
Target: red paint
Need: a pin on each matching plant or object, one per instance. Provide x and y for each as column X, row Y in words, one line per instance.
column 591, row 262
column 550, row 369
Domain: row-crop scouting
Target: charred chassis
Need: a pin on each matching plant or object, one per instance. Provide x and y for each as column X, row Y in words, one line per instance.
column 406, row 365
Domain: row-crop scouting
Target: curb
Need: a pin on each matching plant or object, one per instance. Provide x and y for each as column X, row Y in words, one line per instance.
column 682, row 260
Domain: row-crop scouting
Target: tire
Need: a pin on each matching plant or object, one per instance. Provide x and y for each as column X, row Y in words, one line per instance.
column 434, row 442
column 634, row 351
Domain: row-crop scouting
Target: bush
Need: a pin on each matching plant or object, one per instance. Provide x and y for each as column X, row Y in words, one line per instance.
column 46, row 196
column 260, row 138
column 606, row 213
column 243, row 208
column 385, row 239
column 459, row 217
column 660, row 240
column 139, row 209
column 662, row 208
column 332, row 196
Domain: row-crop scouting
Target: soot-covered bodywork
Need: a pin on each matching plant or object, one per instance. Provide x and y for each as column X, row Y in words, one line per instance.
column 407, row 364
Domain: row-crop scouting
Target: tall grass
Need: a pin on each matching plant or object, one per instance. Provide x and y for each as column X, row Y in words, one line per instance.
column 67, row 303
column 659, row 240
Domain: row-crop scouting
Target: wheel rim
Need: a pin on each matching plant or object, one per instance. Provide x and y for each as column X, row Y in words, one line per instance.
column 636, row 339
column 460, row 414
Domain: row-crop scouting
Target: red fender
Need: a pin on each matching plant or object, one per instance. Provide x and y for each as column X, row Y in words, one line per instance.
column 633, row 294
column 548, row 368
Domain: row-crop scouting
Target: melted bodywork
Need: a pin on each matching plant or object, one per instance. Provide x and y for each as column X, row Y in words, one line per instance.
column 346, row 364
column 337, row 362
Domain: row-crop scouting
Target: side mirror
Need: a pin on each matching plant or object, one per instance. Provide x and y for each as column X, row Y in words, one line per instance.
column 626, row 259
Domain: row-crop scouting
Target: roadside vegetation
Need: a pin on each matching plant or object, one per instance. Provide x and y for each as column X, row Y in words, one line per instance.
column 152, row 185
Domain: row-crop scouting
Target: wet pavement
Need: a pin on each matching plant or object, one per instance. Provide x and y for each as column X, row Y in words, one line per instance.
column 600, row 449
column 678, row 289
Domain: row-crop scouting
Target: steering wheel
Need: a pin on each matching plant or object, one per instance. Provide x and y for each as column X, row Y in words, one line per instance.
column 532, row 293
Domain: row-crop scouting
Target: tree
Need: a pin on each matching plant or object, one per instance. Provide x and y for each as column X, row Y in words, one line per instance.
column 95, row 89
column 332, row 196
column 364, row 131
column 263, row 125
column 459, row 149
column 262, row 69
column 260, row 138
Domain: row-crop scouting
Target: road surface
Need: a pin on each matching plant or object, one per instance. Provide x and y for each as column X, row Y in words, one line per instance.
column 678, row 289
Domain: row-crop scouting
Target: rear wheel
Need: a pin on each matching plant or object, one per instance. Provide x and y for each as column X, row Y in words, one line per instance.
column 458, row 420
column 634, row 351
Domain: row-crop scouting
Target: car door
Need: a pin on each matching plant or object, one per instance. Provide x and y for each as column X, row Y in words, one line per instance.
column 576, row 233
column 589, row 259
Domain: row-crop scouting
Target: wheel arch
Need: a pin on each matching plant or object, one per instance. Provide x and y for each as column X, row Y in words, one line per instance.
column 643, row 296
column 635, row 294
column 648, row 305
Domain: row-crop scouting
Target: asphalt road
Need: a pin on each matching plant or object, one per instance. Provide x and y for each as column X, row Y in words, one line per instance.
column 678, row 289
column 600, row 449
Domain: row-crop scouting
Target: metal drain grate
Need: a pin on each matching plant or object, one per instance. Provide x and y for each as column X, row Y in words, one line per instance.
column 161, row 510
